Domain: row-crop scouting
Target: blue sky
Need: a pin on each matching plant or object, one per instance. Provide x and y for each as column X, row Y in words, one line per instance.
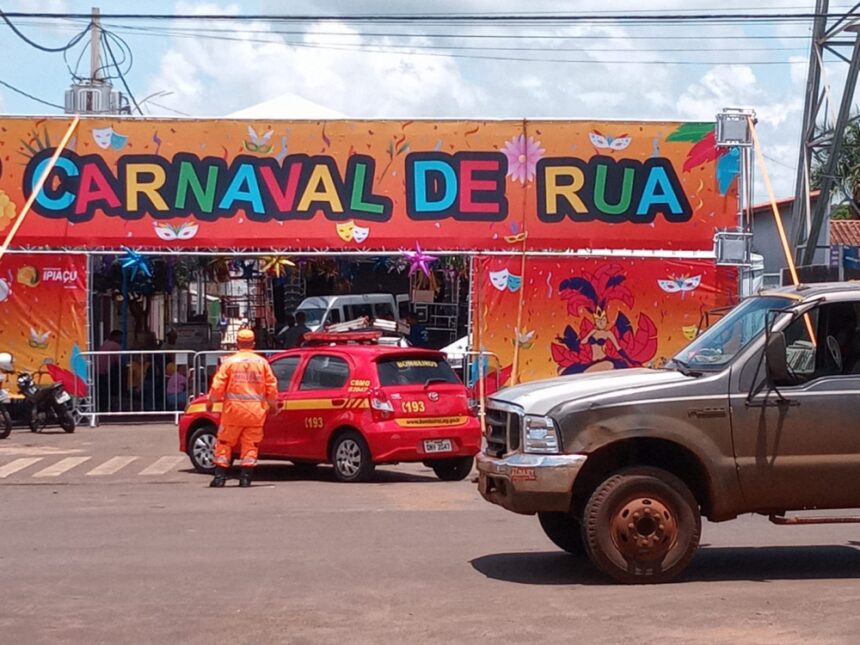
column 418, row 73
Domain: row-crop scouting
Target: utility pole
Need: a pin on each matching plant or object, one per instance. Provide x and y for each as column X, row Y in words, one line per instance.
column 95, row 45
column 823, row 131
column 94, row 95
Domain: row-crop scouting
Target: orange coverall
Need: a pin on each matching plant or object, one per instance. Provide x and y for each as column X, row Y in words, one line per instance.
column 248, row 387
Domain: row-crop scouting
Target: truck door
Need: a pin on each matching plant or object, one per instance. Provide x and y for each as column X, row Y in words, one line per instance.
column 804, row 450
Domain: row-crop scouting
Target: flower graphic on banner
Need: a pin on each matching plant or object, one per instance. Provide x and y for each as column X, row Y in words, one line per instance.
column 7, row 210
column 523, row 155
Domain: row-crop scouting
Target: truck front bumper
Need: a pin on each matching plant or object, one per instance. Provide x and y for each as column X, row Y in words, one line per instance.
column 527, row 483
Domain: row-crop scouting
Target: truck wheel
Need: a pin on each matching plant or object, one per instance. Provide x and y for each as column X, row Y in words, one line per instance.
column 453, row 470
column 564, row 531
column 351, row 458
column 642, row 525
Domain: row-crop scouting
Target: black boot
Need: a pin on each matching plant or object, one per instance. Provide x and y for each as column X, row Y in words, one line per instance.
column 245, row 477
column 219, row 479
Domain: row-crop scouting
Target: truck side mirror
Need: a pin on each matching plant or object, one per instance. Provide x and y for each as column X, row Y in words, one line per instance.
column 775, row 359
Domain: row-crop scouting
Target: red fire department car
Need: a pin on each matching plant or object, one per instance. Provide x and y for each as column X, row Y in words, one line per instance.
column 347, row 400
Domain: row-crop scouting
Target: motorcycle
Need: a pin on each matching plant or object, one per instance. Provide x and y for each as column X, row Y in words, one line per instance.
column 6, row 366
column 46, row 403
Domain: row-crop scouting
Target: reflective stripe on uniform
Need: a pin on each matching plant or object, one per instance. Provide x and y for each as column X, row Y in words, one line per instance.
column 243, row 396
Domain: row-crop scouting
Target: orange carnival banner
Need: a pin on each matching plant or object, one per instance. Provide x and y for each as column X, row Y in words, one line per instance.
column 43, row 308
column 591, row 314
column 368, row 185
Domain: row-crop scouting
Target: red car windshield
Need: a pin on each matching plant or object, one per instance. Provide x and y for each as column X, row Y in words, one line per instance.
column 405, row 370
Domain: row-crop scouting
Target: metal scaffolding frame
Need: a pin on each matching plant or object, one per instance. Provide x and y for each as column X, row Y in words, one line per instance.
column 833, row 35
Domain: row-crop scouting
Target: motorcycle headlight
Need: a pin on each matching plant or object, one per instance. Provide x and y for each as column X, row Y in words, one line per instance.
column 540, row 435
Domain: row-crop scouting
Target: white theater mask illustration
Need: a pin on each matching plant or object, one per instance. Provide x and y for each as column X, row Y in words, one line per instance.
column 106, row 138
column 504, row 279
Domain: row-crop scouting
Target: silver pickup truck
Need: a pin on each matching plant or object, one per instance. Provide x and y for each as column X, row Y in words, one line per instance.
column 758, row 414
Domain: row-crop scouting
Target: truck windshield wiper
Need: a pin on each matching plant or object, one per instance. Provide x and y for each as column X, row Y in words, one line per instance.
column 685, row 368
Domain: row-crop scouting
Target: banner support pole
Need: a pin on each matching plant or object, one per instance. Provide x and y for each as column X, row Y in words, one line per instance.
column 40, row 183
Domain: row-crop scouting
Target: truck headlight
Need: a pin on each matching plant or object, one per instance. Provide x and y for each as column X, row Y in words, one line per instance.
column 540, row 435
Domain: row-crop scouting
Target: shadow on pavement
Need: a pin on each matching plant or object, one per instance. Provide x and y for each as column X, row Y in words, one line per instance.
column 268, row 473
column 761, row 564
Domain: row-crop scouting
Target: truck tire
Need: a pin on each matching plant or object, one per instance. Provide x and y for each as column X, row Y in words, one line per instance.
column 642, row 526
column 564, row 531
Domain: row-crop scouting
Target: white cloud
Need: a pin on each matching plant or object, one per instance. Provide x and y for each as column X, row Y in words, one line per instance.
column 332, row 64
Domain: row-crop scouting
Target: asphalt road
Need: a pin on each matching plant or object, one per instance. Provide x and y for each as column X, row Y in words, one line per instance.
column 97, row 547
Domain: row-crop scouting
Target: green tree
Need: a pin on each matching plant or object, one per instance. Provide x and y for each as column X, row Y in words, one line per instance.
column 847, row 176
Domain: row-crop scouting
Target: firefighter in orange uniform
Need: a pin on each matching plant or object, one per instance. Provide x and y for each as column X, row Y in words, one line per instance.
column 248, row 387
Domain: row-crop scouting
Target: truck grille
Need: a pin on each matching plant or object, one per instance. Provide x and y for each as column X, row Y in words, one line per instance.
column 503, row 431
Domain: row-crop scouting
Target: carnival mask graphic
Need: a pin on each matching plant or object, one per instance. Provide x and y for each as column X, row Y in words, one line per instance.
column 690, row 331
column 170, row 232
column 38, row 340
column 504, row 279
column 106, row 138
column 348, row 232
column 680, row 285
column 602, row 141
column 257, row 143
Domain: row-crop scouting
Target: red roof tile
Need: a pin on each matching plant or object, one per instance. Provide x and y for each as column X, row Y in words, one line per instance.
column 845, row 232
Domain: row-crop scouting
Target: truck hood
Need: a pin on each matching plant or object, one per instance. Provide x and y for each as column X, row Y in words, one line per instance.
column 539, row 397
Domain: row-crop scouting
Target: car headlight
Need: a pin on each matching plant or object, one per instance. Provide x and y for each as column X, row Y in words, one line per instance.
column 540, row 435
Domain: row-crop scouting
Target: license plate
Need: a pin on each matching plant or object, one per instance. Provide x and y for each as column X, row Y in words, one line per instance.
column 438, row 445
column 63, row 397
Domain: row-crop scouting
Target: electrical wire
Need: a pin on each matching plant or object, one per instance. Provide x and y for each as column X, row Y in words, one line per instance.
column 30, row 96
column 442, row 52
column 210, row 36
column 121, row 75
column 464, row 18
column 74, row 41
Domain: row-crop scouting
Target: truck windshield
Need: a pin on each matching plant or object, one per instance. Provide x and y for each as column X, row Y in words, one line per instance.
column 719, row 344
column 313, row 315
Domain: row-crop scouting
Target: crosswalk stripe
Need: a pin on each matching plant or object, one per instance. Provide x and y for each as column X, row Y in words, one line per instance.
column 112, row 465
column 162, row 465
column 18, row 464
column 61, row 466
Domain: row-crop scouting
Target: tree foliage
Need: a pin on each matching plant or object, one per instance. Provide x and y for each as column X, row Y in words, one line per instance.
column 846, row 175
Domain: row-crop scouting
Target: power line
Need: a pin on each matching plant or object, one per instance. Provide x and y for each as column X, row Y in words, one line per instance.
column 30, row 96
column 74, row 41
column 210, row 36
column 106, row 42
column 442, row 52
column 438, row 18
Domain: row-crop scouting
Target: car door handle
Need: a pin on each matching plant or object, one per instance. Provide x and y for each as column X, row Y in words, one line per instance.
column 338, row 402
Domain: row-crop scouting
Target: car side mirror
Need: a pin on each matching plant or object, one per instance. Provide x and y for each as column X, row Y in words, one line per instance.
column 775, row 359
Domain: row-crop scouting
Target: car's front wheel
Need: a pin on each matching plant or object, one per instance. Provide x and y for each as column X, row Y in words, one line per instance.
column 454, row 469
column 564, row 531
column 642, row 525
column 351, row 458
column 201, row 449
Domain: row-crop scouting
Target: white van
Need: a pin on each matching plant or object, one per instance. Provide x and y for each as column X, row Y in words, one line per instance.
column 329, row 310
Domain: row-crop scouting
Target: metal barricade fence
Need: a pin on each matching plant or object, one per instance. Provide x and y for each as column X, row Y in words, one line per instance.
column 159, row 383
column 205, row 364
column 146, row 383
column 135, row 383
